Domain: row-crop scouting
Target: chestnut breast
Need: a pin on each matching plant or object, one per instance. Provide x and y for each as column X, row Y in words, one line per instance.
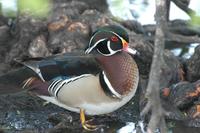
column 121, row 70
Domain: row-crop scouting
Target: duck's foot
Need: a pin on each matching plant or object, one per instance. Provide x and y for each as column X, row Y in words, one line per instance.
column 28, row 82
column 85, row 124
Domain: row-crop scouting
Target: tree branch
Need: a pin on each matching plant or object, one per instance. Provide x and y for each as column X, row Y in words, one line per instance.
column 173, row 37
column 181, row 38
column 178, row 31
column 153, row 88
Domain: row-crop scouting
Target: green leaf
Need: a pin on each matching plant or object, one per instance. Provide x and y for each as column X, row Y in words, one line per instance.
column 37, row 8
column 195, row 20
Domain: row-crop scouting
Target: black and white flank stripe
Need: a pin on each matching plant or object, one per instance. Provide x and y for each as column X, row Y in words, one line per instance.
column 57, row 84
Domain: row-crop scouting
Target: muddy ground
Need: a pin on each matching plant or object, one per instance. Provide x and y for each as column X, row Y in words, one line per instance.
column 27, row 113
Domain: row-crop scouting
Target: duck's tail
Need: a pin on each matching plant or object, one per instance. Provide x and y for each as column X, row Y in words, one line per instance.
column 12, row 82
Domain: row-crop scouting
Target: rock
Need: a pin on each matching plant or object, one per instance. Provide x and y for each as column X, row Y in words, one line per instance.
column 184, row 94
column 29, row 28
column 38, row 47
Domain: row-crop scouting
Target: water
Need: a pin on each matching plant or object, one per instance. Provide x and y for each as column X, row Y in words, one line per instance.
column 144, row 10
column 9, row 7
column 186, row 54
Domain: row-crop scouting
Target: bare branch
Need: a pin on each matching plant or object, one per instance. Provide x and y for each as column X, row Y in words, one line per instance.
column 178, row 31
column 182, row 39
column 173, row 37
column 153, row 88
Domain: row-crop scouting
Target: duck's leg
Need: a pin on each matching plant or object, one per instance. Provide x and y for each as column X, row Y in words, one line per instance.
column 85, row 124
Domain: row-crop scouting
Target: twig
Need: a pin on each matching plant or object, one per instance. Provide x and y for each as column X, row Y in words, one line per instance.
column 173, row 37
column 184, row 34
column 153, row 89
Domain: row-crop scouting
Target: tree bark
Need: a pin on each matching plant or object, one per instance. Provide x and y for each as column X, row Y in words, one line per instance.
column 154, row 105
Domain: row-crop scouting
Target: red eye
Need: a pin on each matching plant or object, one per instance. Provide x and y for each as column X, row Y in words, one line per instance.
column 114, row 39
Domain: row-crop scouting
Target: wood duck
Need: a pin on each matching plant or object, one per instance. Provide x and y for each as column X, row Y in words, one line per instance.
column 103, row 92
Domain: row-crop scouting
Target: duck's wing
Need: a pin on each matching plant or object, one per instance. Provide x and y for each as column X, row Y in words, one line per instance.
column 47, row 69
column 62, row 65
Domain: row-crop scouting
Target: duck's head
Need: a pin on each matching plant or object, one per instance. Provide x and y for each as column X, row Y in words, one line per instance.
column 109, row 40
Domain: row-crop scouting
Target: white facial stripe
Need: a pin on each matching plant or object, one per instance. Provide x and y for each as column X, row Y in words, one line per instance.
column 91, row 41
column 110, row 86
column 109, row 48
column 106, row 54
column 90, row 49
column 103, row 53
column 129, row 50
column 108, row 45
column 92, row 38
